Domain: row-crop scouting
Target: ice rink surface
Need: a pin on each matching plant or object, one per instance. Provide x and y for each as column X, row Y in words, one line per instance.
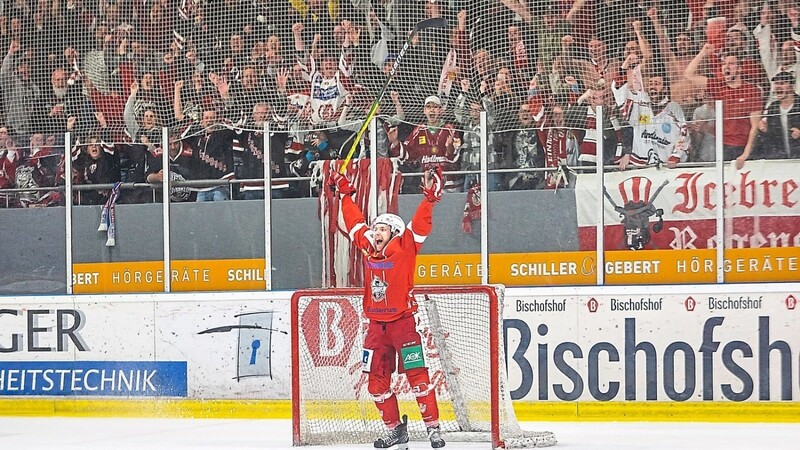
column 34, row 433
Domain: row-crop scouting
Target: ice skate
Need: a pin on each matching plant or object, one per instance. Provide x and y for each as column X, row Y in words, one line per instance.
column 435, row 435
column 395, row 439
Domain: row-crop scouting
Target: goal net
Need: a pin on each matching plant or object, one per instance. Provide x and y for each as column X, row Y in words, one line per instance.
column 461, row 333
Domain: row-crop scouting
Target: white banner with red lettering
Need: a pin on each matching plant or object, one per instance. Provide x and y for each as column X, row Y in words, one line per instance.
column 676, row 208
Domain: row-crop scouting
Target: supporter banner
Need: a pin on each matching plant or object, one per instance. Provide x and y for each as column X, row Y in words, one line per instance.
column 697, row 345
column 187, row 346
column 762, row 207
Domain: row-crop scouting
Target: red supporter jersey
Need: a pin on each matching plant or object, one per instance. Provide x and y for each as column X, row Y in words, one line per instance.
column 427, row 147
column 737, row 105
column 388, row 274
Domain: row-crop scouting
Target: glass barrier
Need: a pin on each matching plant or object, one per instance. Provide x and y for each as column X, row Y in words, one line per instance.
column 532, row 239
column 217, row 244
column 761, row 201
column 117, row 219
column 452, row 253
column 657, row 229
column 32, row 214
column 661, row 221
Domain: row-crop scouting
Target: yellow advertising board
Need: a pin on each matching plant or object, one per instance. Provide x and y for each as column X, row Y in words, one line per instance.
column 696, row 266
column 188, row 275
column 623, row 267
column 743, row 265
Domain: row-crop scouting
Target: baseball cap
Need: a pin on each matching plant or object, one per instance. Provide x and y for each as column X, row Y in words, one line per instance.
column 433, row 99
column 783, row 77
column 390, row 58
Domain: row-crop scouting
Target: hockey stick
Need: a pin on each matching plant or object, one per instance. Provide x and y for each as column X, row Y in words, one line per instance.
column 436, row 22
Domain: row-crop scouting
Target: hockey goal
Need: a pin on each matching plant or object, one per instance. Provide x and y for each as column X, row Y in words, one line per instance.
column 462, row 335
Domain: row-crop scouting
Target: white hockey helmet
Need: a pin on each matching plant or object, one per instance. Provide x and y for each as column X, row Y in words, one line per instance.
column 394, row 222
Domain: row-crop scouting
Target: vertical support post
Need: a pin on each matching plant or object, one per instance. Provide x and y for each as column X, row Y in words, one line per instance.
column 600, row 241
column 165, row 181
column 373, row 167
column 267, row 208
column 484, row 199
column 68, row 203
column 720, row 192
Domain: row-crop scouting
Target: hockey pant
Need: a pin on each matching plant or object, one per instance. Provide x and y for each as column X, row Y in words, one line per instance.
column 385, row 341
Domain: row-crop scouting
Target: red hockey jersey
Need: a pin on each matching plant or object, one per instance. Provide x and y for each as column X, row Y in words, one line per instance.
column 388, row 274
column 425, row 147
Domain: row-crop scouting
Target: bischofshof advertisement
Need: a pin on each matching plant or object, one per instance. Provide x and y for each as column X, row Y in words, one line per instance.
column 695, row 344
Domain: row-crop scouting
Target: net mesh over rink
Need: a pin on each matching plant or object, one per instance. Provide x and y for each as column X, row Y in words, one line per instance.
column 312, row 69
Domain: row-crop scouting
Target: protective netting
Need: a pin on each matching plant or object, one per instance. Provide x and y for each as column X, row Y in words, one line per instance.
column 118, row 71
column 334, row 405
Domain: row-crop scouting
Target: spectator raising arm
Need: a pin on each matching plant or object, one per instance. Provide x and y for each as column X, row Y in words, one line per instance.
column 131, row 125
column 742, row 103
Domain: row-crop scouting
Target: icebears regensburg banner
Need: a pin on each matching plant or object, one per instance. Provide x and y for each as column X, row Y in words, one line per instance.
column 761, row 207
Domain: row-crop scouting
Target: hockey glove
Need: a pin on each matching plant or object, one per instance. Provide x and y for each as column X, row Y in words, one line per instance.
column 433, row 184
column 338, row 182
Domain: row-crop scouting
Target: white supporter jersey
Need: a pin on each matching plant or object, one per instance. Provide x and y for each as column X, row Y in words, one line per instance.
column 327, row 94
column 656, row 137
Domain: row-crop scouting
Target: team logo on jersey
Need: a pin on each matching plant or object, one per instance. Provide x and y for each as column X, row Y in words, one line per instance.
column 422, row 140
column 636, row 210
column 378, row 289
column 178, row 193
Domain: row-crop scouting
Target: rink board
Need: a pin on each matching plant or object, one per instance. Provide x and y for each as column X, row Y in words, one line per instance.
column 662, row 353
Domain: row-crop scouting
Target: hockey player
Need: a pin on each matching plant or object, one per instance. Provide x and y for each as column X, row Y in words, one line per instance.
column 390, row 248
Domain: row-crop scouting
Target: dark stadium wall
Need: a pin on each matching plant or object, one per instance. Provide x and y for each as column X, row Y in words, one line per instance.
column 34, row 255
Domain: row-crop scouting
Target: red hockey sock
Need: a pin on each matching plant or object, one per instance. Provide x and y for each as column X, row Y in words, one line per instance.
column 429, row 409
column 390, row 412
column 426, row 396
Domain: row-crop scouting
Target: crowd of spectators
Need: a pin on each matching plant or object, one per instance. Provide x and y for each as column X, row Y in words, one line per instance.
column 113, row 73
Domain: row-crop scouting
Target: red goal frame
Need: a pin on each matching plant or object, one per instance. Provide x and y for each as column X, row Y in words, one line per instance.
column 494, row 359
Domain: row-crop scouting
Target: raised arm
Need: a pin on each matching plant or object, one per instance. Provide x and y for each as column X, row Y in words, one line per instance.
column 129, row 115
column 8, row 61
column 661, row 35
column 691, row 70
column 422, row 222
column 766, row 49
column 177, row 106
column 519, row 8
column 461, row 112
column 297, row 32
column 576, row 6
column 646, row 48
column 399, row 112
column 354, row 221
